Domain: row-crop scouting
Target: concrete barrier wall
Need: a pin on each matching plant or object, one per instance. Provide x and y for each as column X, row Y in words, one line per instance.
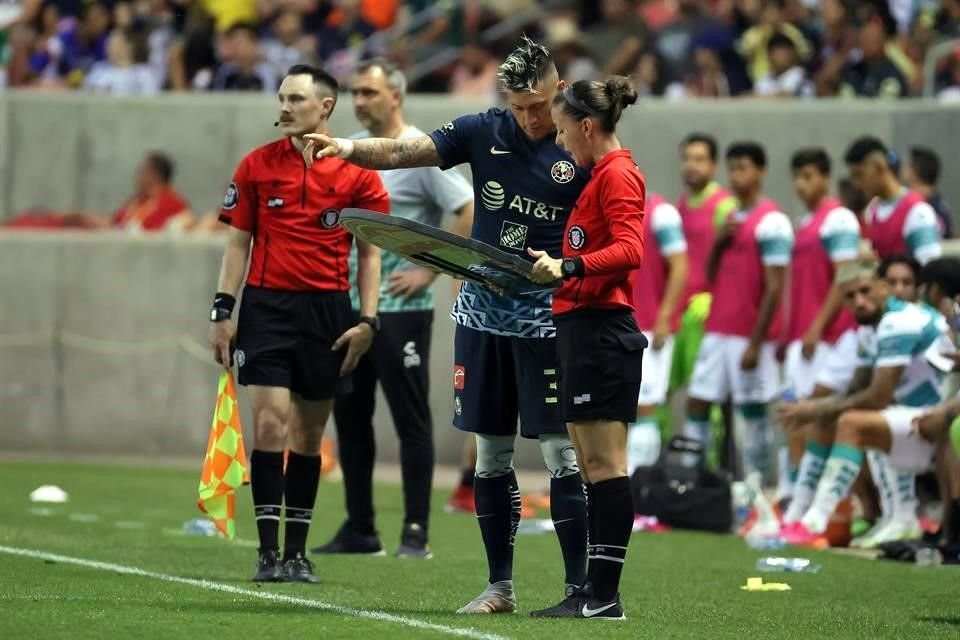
column 75, row 151
column 102, row 337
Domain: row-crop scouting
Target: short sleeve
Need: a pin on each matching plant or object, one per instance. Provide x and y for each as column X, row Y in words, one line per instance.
column 239, row 207
column 369, row 192
column 774, row 234
column 668, row 229
column 897, row 339
column 448, row 189
column 921, row 231
column 840, row 235
column 866, row 346
column 455, row 139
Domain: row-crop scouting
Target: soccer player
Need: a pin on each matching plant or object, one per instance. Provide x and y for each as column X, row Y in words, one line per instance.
column 902, row 274
column 922, row 175
column 820, row 333
column 599, row 345
column 400, row 354
column 748, row 270
column 658, row 287
column 505, row 348
column 297, row 341
column 897, row 380
column 702, row 207
column 897, row 220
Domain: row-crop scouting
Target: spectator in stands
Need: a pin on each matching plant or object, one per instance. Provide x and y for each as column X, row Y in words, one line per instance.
column 618, row 40
column 125, row 72
column 76, row 47
column 874, row 75
column 837, row 46
column 922, row 174
column 950, row 91
column 786, row 79
column 948, row 19
column 227, row 13
column 649, row 78
column 674, row 43
column 339, row 49
column 475, row 75
column 570, row 54
column 243, row 67
column 288, row 45
column 154, row 206
column 753, row 44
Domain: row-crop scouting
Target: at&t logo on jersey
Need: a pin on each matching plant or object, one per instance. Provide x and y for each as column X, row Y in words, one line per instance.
column 562, row 172
column 494, row 197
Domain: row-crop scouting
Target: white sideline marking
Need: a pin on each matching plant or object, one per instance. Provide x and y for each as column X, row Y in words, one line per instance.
column 263, row 595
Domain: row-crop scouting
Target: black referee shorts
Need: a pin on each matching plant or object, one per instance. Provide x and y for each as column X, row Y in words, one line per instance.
column 284, row 340
column 600, row 354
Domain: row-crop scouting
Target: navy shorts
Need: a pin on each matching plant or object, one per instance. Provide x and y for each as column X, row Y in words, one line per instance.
column 601, row 357
column 498, row 378
column 284, row 340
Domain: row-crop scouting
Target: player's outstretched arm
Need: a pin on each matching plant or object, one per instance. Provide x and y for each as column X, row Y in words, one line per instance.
column 373, row 153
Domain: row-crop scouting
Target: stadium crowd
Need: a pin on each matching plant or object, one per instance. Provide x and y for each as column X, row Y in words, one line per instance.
column 672, row 48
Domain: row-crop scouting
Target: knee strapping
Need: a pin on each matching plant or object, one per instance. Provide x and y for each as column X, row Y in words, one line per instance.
column 559, row 456
column 494, row 456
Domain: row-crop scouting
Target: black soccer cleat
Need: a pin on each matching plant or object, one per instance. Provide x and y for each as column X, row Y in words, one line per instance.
column 349, row 541
column 299, row 569
column 269, row 567
column 413, row 542
column 579, row 604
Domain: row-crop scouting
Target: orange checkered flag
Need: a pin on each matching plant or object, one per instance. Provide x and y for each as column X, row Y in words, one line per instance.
column 225, row 465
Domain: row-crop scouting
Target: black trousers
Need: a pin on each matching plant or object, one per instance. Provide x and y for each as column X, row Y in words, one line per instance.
column 399, row 359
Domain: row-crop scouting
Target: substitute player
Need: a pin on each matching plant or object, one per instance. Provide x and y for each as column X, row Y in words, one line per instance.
column 505, row 348
column 901, row 342
column 821, row 334
column 657, row 290
column 897, row 220
column 599, row 345
column 748, row 267
column 400, row 354
column 296, row 340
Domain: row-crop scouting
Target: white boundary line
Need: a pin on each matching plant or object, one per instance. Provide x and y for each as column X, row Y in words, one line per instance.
column 379, row 616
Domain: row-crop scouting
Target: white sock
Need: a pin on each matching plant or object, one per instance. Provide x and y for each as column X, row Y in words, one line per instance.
column 786, row 474
column 905, row 503
column 883, row 477
column 840, row 472
column 702, row 432
column 757, row 447
column 808, row 477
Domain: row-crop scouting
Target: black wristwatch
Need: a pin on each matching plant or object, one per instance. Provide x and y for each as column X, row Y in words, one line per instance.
column 571, row 267
column 373, row 321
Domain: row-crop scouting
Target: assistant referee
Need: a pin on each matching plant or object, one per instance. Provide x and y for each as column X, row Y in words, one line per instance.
column 599, row 347
column 296, row 343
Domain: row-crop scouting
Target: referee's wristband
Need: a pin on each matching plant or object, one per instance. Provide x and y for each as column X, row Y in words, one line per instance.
column 223, row 304
column 572, row 268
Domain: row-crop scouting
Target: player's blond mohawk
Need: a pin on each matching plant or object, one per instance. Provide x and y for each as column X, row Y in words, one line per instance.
column 525, row 67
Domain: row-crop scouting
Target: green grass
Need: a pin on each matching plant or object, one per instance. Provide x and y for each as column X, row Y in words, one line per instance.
column 676, row 585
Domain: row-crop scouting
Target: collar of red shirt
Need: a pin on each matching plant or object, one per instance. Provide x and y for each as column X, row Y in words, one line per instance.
column 607, row 159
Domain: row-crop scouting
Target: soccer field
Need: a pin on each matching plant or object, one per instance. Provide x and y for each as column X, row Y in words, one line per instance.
column 111, row 563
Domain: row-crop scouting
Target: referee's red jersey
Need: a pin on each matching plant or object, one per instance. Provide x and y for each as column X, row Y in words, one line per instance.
column 605, row 230
column 293, row 213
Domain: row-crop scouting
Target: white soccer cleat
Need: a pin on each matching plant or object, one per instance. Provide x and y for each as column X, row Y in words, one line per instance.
column 496, row 598
column 888, row 531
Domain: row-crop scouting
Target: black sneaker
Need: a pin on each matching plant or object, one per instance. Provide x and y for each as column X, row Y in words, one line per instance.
column 299, row 569
column 579, row 604
column 349, row 541
column 269, row 567
column 413, row 542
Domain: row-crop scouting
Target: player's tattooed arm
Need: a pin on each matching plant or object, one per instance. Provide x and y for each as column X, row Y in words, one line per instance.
column 387, row 153
column 373, row 153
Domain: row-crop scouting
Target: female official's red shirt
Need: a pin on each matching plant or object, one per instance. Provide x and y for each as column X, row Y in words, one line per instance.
column 605, row 230
column 293, row 213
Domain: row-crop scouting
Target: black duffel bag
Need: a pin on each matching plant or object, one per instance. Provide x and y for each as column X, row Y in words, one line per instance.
column 681, row 492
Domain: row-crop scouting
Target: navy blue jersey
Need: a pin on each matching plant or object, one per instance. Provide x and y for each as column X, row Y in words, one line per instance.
column 523, row 194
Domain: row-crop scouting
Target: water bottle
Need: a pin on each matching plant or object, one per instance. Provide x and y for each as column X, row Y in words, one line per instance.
column 742, row 502
column 765, row 543
column 787, row 565
column 200, row 527
column 928, row 557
